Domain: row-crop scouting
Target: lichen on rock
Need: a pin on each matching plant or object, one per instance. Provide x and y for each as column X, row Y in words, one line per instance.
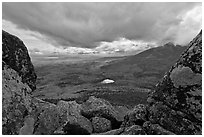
column 100, row 124
column 184, row 76
column 16, row 101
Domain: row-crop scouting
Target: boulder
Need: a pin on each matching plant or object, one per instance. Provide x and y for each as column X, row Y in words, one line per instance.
column 137, row 116
column 47, row 117
column 69, row 107
column 63, row 118
column 78, row 126
column 100, row 125
column 122, row 112
column 15, row 55
column 176, row 102
column 101, row 108
column 72, row 120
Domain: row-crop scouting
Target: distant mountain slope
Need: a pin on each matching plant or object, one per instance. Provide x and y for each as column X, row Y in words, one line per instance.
column 145, row 68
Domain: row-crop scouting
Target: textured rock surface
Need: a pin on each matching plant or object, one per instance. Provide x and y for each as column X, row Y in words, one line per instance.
column 47, row 117
column 65, row 116
column 100, row 124
column 113, row 132
column 137, row 116
column 15, row 54
column 78, row 126
column 176, row 103
column 15, row 101
column 28, row 126
column 101, row 108
column 134, row 130
column 73, row 122
column 155, row 129
column 122, row 112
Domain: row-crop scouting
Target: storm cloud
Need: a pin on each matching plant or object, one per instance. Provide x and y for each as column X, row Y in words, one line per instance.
column 87, row 24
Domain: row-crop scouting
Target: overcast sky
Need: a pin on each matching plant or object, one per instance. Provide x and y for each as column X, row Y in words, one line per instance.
column 89, row 25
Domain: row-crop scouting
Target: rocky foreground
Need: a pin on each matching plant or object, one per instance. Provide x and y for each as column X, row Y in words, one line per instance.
column 174, row 107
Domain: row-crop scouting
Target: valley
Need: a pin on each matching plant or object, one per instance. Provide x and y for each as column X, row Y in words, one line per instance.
column 78, row 77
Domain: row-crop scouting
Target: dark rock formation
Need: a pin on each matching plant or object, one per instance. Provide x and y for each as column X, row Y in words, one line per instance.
column 155, row 129
column 176, row 103
column 100, row 125
column 46, row 117
column 134, row 130
column 15, row 55
column 101, row 108
column 18, row 80
column 73, row 121
column 137, row 116
column 65, row 116
column 15, row 101
column 113, row 132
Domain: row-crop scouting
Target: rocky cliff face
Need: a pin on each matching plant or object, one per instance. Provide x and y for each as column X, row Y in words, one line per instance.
column 176, row 103
column 18, row 80
column 15, row 101
column 174, row 107
column 15, row 55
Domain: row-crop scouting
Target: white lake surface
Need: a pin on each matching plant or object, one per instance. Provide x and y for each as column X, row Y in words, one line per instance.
column 107, row 81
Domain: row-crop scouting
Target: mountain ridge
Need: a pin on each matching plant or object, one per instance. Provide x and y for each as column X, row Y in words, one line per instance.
column 147, row 67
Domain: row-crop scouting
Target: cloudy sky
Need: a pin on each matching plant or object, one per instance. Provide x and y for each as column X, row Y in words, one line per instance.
column 101, row 27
